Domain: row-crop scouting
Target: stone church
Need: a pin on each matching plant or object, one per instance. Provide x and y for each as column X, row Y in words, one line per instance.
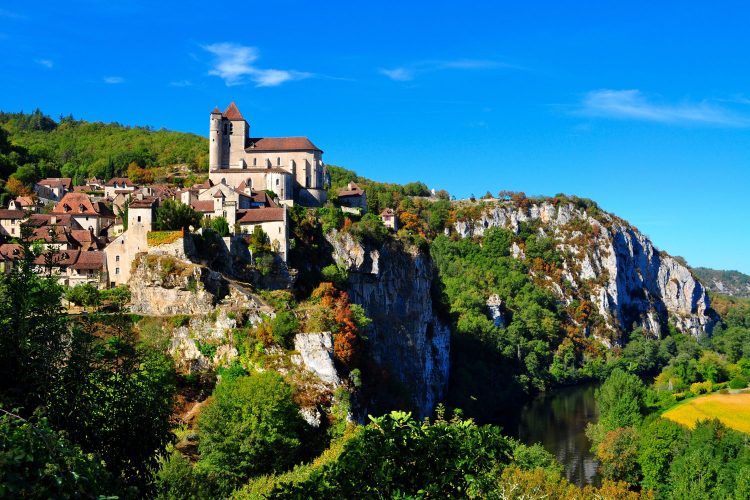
column 291, row 167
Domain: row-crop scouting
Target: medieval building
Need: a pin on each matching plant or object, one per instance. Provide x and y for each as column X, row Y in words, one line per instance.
column 291, row 167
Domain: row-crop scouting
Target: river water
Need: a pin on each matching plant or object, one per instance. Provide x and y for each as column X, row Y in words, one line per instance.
column 557, row 421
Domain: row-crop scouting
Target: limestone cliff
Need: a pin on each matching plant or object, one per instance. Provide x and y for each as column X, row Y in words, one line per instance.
column 408, row 347
column 623, row 274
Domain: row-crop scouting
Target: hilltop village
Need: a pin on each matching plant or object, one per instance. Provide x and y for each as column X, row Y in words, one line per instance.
column 91, row 233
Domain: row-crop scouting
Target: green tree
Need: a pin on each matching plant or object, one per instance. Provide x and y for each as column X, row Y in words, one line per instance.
column 173, row 215
column 220, row 225
column 251, row 426
column 659, row 442
column 32, row 343
column 621, row 400
column 38, row 462
column 396, row 456
column 84, row 294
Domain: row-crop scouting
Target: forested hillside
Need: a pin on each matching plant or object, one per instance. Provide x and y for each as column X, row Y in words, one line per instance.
column 732, row 283
column 34, row 146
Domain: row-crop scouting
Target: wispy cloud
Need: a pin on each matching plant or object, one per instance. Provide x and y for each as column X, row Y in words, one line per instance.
column 181, row 83
column 235, row 64
column 634, row 105
column 47, row 63
column 113, row 80
column 411, row 71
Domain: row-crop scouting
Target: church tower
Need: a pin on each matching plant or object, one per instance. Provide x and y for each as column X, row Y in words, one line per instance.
column 215, row 141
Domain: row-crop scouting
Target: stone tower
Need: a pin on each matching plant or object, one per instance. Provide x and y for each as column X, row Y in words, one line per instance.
column 215, row 140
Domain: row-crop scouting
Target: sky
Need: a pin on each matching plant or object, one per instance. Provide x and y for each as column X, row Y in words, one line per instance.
column 641, row 106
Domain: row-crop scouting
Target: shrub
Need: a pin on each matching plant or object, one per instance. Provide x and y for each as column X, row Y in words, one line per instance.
column 699, row 388
column 335, row 274
column 738, row 382
column 284, row 326
column 251, row 426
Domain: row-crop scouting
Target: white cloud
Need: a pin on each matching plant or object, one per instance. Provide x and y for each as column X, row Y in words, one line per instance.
column 113, row 80
column 235, row 64
column 410, row 72
column 633, row 105
column 45, row 62
column 398, row 74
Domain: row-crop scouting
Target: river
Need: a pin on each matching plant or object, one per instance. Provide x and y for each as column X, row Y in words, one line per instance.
column 557, row 421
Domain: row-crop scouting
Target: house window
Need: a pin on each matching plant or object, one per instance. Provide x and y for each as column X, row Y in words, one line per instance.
column 13, row 230
column 117, row 258
column 278, row 160
column 277, row 182
column 139, row 218
column 255, row 162
column 117, row 270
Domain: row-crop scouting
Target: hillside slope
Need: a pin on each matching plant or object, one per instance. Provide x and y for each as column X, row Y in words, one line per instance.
column 732, row 283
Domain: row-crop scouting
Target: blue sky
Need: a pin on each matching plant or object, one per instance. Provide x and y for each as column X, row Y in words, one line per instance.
column 642, row 106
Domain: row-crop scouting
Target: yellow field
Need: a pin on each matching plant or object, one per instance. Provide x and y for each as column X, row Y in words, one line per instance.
column 732, row 409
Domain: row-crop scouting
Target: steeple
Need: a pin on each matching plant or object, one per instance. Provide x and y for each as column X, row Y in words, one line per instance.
column 232, row 113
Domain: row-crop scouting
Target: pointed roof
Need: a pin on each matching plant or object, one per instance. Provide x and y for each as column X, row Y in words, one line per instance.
column 216, row 110
column 232, row 113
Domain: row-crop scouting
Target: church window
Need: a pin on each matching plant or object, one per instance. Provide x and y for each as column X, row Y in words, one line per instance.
column 278, row 160
column 277, row 182
column 255, row 162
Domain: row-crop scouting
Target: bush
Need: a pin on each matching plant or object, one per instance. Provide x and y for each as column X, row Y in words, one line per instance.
column 284, row 326
column 699, row 388
column 738, row 382
column 251, row 426
column 335, row 274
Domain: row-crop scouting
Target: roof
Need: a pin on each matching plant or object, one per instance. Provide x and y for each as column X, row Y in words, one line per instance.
column 388, row 211
column 11, row 251
column 216, row 110
column 80, row 204
column 26, row 201
column 37, row 220
column 280, row 144
column 232, row 113
column 120, row 180
column 255, row 215
column 203, row 206
column 143, row 203
column 352, row 190
column 61, row 258
column 65, row 182
column 6, row 213
column 89, row 260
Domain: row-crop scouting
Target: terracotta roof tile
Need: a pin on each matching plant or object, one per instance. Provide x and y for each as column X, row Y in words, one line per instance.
column 232, row 113
column 6, row 213
column 255, row 215
column 203, row 206
column 280, row 144
column 89, row 260
column 65, row 182
column 121, row 181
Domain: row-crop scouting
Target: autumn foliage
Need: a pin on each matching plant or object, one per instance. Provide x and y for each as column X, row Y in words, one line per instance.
column 343, row 322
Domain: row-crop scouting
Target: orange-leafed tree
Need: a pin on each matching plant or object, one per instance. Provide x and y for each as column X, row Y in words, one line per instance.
column 16, row 187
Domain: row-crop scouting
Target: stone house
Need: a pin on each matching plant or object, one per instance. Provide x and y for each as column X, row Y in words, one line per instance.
column 53, row 188
column 353, row 197
column 118, row 185
column 388, row 216
column 10, row 222
column 273, row 221
column 94, row 215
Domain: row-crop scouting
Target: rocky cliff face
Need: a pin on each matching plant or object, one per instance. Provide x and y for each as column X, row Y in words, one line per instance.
column 624, row 275
column 408, row 346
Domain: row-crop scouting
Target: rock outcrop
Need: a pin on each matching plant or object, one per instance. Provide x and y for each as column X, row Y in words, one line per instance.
column 408, row 346
column 315, row 353
column 627, row 278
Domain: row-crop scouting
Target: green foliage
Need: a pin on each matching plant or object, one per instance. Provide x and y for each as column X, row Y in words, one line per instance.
column 112, row 391
column 115, row 298
column 220, row 225
column 371, row 229
column 283, row 327
column 32, row 342
column 38, row 462
column 251, row 426
column 714, row 462
column 331, row 218
column 659, row 442
column 173, row 215
column 738, row 382
column 493, row 364
column 621, row 400
column 85, row 294
column 335, row 274
column 396, row 456
column 81, row 149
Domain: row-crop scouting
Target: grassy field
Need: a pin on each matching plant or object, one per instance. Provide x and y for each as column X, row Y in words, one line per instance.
column 732, row 409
